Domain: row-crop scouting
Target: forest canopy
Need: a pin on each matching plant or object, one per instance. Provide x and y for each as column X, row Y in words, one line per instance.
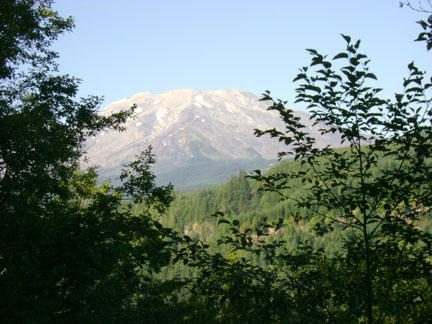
column 73, row 250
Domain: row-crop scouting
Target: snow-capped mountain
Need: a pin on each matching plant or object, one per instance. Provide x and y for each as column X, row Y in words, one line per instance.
column 190, row 127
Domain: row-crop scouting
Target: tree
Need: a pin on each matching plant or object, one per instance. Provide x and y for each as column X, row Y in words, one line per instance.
column 375, row 191
column 388, row 257
column 69, row 252
column 42, row 127
column 426, row 35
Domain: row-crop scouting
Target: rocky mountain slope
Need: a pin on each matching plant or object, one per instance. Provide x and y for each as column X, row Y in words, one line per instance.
column 192, row 132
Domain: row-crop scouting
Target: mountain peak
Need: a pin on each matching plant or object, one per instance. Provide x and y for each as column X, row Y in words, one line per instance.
column 187, row 126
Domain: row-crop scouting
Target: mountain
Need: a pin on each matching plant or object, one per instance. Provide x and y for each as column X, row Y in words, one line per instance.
column 199, row 137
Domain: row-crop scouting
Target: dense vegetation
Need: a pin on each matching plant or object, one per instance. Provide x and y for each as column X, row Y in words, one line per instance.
column 334, row 236
column 67, row 253
column 241, row 199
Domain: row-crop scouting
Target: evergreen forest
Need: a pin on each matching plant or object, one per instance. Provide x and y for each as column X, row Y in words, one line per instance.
column 326, row 236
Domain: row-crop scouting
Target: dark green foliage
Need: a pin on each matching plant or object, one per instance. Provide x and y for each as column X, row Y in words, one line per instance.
column 335, row 236
column 377, row 192
column 139, row 183
column 388, row 256
column 281, row 251
column 68, row 252
column 240, row 199
column 369, row 198
column 427, row 34
column 27, row 30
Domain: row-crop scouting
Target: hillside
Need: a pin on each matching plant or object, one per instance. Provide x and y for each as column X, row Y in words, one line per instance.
column 199, row 138
column 241, row 198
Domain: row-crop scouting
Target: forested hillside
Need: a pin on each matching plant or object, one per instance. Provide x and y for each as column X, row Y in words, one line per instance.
column 327, row 236
column 242, row 199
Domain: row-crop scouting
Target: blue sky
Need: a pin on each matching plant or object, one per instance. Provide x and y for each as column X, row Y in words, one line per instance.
column 122, row 47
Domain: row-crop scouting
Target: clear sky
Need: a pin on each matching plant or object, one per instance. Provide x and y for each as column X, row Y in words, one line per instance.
column 122, row 47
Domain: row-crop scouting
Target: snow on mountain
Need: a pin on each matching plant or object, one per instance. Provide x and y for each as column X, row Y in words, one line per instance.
column 189, row 126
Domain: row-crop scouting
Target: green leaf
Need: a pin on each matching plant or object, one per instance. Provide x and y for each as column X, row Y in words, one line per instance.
column 312, row 51
column 423, row 24
column 371, row 76
column 347, row 38
column 300, row 76
column 340, row 55
column 357, row 44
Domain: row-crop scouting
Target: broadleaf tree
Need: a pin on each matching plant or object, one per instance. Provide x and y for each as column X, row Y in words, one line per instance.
column 70, row 252
column 424, row 7
column 382, row 272
column 387, row 261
